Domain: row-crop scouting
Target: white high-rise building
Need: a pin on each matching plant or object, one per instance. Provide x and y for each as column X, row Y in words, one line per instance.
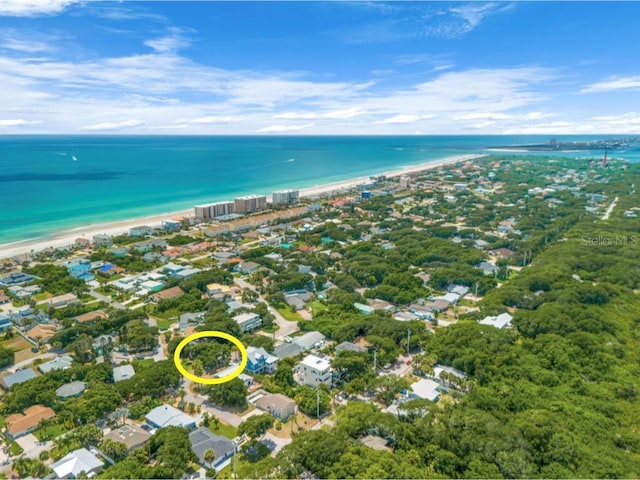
column 405, row 181
column 285, row 197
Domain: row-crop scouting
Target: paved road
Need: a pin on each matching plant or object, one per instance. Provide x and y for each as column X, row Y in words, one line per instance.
column 286, row 327
column 227, row 417
column 28, row 361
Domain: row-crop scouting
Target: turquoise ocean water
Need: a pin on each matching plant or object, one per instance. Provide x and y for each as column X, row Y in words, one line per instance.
column 49, row 184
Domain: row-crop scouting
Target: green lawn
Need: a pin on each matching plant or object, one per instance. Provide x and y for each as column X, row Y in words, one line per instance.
column 289, row 315
column 224, row 430
column 52, row 431
column 164, row 323
column 14, row 448
column 42, row 296
column 316, row 307
column 147, row 362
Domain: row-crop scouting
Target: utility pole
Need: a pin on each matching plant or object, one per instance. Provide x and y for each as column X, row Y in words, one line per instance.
column 408, row 340
column 476, row 295
column 318, row 403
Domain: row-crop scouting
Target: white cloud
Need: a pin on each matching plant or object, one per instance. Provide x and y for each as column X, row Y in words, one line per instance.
column 283, row 128
column 208, row 120
column 402, row 119
column 24, row 45
column 132, row 123
column 462, row 18
column 18, row 122
column 336, row 114
column 170, row 43
column 614, row 83
column 26, row 8
column 484, row 116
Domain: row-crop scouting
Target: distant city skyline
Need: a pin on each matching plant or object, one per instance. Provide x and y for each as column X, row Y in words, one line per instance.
column 319, row 68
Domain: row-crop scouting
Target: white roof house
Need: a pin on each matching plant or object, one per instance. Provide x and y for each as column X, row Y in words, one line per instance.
column 426, row 389
column 310, row 340
column 76, row 462
column 501, row 321
column 168, row 416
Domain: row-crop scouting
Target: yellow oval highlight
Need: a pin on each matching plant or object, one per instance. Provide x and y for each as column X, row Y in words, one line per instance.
column 210, row 381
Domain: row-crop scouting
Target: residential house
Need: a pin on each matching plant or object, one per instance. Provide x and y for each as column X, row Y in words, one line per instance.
column 16, row 278
column 248, row 321
column 365, row 309
column 71, row 390
column 173, row 292
column 42, row 332
column 168, row 416
column 130, row 434
column 81, row 242
column 187, row 273
column 20, row 424
column 383, row 305
column 203, row 440
column 123, row 372
column 102, row 240
column 409, row 317
column 91, row 316
column 79, row 268
column 77, row 463
column 58, row 363
column 313, row 371
column 62, row 301
column 459, row 290
column 425, row 389
column 246, row 267
column 260, row 361
column 350, row 347
column 502, row 252
column 218, row 290
column 246, row 379
column 16, row 378
column 310, row 340
column 501, row 321
column 5, row 322
column 278, row 405
column 287, row 350
column 4, row 298
column 488, row 268
column 140, row 231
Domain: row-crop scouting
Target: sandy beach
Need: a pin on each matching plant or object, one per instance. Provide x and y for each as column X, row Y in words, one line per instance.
column 68, row 237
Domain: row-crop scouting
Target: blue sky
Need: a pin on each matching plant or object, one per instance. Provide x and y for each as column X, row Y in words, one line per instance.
column 126, row 67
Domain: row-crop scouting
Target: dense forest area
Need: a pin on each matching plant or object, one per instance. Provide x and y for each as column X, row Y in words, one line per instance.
column 554, row 397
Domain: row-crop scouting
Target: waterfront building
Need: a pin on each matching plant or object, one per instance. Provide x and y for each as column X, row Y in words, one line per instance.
column 102, row 240
column 250, row 204
column 214, row 210
column 285, row 197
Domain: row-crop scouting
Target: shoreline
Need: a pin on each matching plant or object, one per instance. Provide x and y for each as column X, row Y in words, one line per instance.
column 118, row 227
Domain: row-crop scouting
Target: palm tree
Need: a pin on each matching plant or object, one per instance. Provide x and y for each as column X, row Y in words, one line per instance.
column 210, row 456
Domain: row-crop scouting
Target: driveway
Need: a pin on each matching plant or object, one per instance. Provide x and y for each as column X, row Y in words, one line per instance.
column 32, row 446
column 286, row 327
column 227, row 417
column 277, row 443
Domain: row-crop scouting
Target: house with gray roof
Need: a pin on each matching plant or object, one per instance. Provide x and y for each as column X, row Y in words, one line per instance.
column 18, row 377
column 310, row 340
column 350, row 347
column 123, row 372
column 72, row 389
column 203, row 439
column 287, row 350
column 59, row 363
